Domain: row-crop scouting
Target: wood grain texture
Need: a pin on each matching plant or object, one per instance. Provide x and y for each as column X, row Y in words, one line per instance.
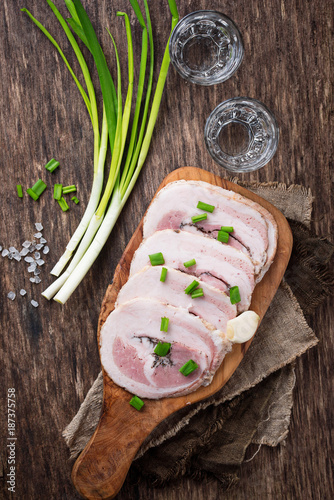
column 101, row 469
column 50, row 354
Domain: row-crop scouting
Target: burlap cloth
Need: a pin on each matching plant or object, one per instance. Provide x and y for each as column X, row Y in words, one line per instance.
column 211, row 437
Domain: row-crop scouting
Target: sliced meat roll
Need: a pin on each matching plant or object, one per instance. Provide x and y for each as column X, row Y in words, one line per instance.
column 130, row 335
column 255, row 230
column 214, row 307
column 222, row 266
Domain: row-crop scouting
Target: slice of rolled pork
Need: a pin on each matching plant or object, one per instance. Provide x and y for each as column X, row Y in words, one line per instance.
column 222, row 266
column 255, row 229
column 128, row 339
column 215, row 306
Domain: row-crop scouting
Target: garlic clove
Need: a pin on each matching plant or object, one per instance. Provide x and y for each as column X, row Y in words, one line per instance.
column 243, row 327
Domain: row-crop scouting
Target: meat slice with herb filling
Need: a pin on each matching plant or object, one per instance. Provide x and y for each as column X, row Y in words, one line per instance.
column 130, row 335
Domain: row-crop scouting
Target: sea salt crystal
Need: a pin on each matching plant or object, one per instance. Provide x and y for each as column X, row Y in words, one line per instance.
column 37, row 272
column 17, row 257
column 26, row 244
column 37, row 255
column 37, row 279
column 39, row 246
column 10, row 255
column 23, row 292
column 24, row 251
column 34, row 303
column 32, row 267
column 32, row 280
column 28, row 259
column 11, row 295
column 4, row 252
column 40, row 262
column 46, row 250
column 43, row 240
column 38, row 226
column 38, row 235
column 12, row 249
column 32, row 247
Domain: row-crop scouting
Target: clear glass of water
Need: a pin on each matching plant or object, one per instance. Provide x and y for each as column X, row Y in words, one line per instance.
column 206, row 47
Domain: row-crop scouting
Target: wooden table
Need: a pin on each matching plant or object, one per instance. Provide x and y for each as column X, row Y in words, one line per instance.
column 49, row 354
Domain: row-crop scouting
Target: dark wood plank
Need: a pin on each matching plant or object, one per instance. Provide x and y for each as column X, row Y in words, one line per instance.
column 50, row 354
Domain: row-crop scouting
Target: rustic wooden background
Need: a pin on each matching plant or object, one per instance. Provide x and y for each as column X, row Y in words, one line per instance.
column 49, row 355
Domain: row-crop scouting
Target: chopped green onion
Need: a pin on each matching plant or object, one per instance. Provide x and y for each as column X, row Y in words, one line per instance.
column 75, row 199
column 164, row 324
column 136, row 403
column 52, row 165
column 235, row 295
column 57, row 191
column 39, row 187
column 191, row 287
column 189, row 263
column 162, row 348
column 19, row 190
column 197, row 293
column 33, row 195
column 63, row 205
column 223, row 236
column 205, row 206
column 227, row 229
column 163, row 274
column 188, row 367
column 69, row 189
column 199, row 218
column 157, row 259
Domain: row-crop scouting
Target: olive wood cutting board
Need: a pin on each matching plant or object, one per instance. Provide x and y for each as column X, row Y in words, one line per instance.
column 100, row 470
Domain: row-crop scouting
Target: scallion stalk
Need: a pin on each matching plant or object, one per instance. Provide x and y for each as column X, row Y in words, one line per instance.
column 199, row 217
column 52, row 165
column 205, row 206
column 57, row 191
column 188, row 367
column 69, row 189
column 163, row 274
column 19, row 190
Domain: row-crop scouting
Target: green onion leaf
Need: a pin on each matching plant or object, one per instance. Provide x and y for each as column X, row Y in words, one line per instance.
column 223, row 236
column 75, row 199
column 39, row 187
column 205, row 206
column 69, row 189
column 197, row 293
column 57, row 191
column 199, row 218
column 52, row 165
column 164, row 324
column 33, row 195
column 227, row 229
column 162, row 348
column 136, row 403
column 163, row 274
column 19, row 190
column 63, row 205
column 189, row 263
column 157, row 259
column 188, row 367
column 191, row 287
column 235, row 295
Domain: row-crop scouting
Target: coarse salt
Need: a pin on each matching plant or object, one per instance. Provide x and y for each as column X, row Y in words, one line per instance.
column 23, row 292
column 28, row 259
column 34, row 303
column 37, row 235
column 11, row 295
column 38, row 226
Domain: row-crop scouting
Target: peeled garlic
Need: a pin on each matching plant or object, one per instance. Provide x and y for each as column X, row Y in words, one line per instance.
column 243, row 327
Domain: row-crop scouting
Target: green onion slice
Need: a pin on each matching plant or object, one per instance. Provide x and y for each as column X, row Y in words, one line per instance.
column 163, row 274
column 235, row 295
column 197, row 293
column 157, row 259
column 52, row 165
column 63, row 205
column 223, row 236
column 136, row 402
column 19, row 190
column 162, row 348
column 189, row 263
column 69, row 189
column 190, row 288
column 39, row 187
column 164, row 324
column 227, row 229
column 57, row 191
column 205, row 206
column 199, row 217
column 75, row 199
column 188, row 367
column 33, row 195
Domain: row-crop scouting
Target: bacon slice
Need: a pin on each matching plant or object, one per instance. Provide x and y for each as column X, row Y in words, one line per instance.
column 255, row 230
column 128, row 339
column 214, row 307
column 222, row 266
